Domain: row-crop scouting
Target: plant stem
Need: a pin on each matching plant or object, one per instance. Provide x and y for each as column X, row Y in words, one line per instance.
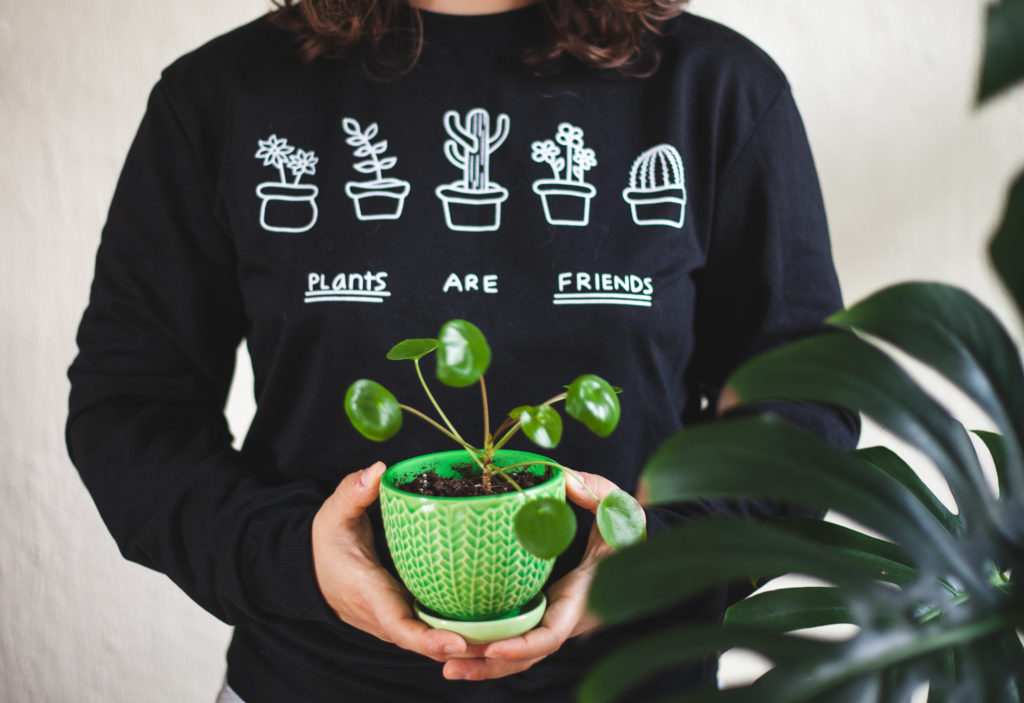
column 504, row 425
column 487, row 415
column 455, row 432
column 502, row 471
column 556, row 465
column 439, row 428
column 515, row 428
column 470, row 449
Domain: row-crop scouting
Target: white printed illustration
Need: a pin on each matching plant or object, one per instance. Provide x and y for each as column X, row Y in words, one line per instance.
column 657, row 189
column 288, row 207
column 368, row 287
column 566, row 197
column 473, row 204
column 382, row 198
column 587, row 288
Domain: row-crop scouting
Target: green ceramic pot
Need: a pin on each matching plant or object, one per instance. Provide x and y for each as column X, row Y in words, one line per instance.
column 459, row 556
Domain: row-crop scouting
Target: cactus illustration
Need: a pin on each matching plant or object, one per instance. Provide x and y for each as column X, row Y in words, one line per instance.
column 657, row 188
column 473, row 203
column 287, row 207
column 566, row 197
column 472, row 144
column 380, row 198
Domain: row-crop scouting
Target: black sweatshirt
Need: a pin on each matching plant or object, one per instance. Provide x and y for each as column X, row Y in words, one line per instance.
column 655, row 231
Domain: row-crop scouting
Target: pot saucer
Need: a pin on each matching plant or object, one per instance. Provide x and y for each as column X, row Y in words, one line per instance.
column 483, row 631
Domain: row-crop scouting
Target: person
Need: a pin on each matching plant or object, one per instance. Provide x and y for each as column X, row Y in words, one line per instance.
column 617, row 187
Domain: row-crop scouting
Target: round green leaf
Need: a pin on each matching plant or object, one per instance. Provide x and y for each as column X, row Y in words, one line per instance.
column 463, row 355
column 621, row 520
column 592, row 401
column 411, row 349
column 545, row 527
column 542, row 424
column 373, row 410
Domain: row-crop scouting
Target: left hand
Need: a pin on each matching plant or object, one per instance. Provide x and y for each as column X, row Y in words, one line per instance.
column 566, row 615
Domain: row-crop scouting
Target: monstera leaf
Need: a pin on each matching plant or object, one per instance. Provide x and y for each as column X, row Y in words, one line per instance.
column 932, row 591
column 934, row 599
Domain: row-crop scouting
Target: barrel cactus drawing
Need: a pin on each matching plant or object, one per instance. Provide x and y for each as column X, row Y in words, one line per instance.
column 657, row 187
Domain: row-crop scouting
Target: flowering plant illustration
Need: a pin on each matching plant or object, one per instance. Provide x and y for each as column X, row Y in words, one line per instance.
column 280, row 154
column 381, row 198
column 578, row 159
column 566, row 197
column 287, row 206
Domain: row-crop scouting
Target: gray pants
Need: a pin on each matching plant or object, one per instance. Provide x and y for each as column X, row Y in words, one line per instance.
column 228, row 696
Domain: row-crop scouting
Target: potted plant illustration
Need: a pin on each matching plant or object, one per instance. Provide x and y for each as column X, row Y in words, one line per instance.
column 566, row 197
column 657, row 189
column 288, row 207
column 474, row 532
column 935, row 593
column 381, row 198
column 473, row 204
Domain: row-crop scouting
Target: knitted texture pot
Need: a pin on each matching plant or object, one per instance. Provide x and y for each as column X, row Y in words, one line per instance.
column 460, row 556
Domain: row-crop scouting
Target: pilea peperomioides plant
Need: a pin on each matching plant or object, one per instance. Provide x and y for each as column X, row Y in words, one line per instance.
column 544, row 526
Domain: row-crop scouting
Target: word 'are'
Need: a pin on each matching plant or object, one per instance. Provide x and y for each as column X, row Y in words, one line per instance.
column 471, row 282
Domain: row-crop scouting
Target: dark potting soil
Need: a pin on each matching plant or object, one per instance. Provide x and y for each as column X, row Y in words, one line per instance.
column 470, row 483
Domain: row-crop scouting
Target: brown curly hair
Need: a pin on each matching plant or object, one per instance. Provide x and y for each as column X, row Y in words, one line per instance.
column 388, row 34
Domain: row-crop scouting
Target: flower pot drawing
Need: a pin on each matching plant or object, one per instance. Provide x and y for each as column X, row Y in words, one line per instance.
column 460, row 557
column 381, row 198
column 565, row 203
column 566, row 197
column 473, row 204
column 378, row 200
column 468, row 210
column 657, row 190
column 287, row 206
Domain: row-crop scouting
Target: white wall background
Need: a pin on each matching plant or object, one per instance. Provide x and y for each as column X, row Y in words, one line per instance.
column 914, row 179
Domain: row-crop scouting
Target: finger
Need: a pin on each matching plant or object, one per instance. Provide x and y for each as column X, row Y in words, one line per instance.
column 481, row 669
column 357, row 491
column 401, row 627
column 557, row 626
column 643, row 493
column 473, row 651
column 598, row 485
column 727, row 400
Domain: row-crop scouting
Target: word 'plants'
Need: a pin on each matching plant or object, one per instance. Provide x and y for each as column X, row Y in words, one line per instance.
column 544, row 526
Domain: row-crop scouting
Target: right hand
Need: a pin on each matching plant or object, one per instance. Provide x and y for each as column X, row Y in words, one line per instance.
column 359, row 590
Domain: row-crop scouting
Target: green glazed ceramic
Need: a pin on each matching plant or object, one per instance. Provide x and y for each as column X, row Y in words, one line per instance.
column 484, row 631
column 459, row 556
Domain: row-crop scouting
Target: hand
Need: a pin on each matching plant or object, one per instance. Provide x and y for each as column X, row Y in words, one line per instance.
column 353, row 582
column 566, row 615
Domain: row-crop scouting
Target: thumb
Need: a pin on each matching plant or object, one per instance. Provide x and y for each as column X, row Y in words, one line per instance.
column 599, row 485
column 357, row 491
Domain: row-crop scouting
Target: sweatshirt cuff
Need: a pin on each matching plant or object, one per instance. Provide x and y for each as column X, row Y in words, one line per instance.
column 281, row 569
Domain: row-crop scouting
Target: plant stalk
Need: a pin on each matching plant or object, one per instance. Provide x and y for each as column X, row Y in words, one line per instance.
column 487, row 415
column 433, row 401
column 473, row 451
column 556, row 465
column 515, row 428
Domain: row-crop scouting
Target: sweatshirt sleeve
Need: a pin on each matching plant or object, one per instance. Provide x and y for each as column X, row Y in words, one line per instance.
column 768, row 280
column 146, row 428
